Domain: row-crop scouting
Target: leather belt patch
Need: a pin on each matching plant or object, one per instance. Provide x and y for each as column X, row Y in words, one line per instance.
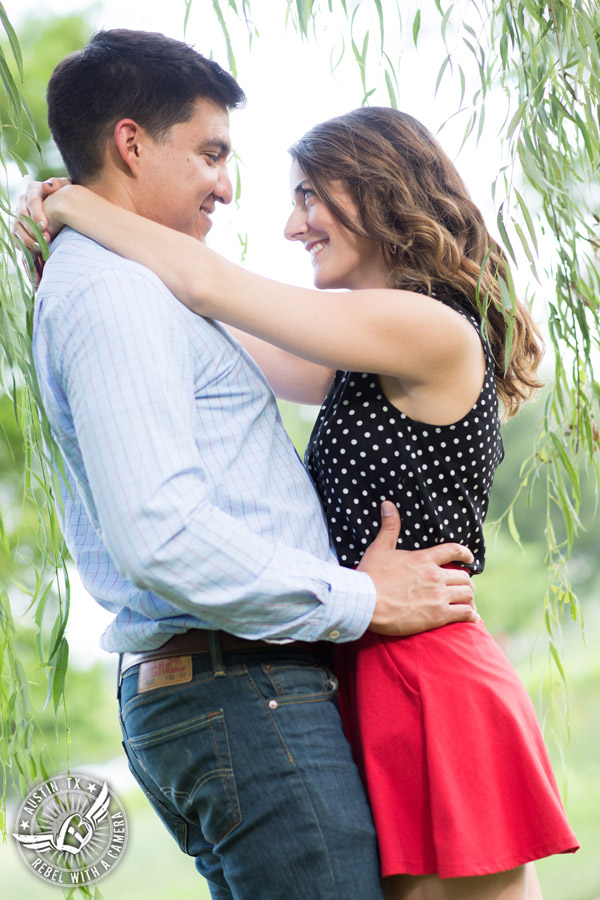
column 159, row 673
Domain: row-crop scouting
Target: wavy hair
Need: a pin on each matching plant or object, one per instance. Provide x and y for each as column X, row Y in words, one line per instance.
column 412, row 200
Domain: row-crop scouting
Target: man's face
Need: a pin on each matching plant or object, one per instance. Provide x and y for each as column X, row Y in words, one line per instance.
column 183, row 175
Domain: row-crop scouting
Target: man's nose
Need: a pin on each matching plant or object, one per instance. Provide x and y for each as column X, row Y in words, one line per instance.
column 223, row 191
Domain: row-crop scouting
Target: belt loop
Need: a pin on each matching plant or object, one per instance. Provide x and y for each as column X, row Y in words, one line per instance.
column 216, row 654
column 119, row 675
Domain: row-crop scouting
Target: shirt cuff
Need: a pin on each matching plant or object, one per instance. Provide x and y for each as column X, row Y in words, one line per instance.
column 346, row 610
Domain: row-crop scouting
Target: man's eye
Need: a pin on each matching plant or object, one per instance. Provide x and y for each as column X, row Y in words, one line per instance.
column 213, row 159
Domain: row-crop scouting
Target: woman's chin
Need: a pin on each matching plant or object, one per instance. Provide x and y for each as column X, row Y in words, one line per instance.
column 325, row 283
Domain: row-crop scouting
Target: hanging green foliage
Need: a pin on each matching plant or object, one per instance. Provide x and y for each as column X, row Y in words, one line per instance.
column 543, row 60
column 32, row 552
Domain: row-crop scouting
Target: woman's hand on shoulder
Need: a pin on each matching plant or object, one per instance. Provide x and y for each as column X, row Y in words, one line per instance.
column 32, row 215
column 30, row 209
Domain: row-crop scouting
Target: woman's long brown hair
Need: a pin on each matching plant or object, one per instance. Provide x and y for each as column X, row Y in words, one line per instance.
column 411, row 199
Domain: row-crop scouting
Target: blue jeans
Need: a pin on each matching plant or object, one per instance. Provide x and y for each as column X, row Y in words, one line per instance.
column 248, row 767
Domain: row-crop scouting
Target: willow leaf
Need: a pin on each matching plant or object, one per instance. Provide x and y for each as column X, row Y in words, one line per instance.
column 590, row 39
column 517, row 119
column 526, row 248
column 60, row 672
column 446, row 20
column 512, row 527
column 13, row 40
column 470, row 30
column 228, row 45
column 21, row 164
column 302, row 18
column 563, row 455
column 379, row 9
column 391, row 91
column 12, row 91
column 528, row 220
column 391, row 69
column 440, row 75
column 504, row 234
column 416, row 28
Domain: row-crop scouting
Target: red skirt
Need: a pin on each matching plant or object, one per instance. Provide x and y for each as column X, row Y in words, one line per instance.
column 451, row 754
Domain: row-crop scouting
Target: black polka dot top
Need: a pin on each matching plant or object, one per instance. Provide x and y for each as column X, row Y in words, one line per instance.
column 363, row 450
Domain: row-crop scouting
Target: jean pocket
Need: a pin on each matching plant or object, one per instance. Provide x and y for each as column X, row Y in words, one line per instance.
column 172, row 822
column 190, row 762
column 299, row 682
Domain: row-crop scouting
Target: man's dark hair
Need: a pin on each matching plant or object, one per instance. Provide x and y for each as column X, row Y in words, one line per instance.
column 140, row 75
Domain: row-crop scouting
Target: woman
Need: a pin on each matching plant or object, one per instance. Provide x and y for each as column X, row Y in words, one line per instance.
column 443, row 732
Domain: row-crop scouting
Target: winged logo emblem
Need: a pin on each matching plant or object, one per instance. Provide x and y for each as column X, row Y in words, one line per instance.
column 75, row 832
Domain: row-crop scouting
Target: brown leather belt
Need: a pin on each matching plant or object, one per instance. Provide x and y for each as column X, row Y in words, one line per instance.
column 198, row 641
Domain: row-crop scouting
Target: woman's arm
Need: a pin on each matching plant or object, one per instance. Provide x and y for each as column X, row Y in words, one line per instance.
column 30, row 204
column 409, row 336
column 290, row 377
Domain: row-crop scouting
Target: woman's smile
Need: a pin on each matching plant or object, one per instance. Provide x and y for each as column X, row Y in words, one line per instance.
column 351, row 261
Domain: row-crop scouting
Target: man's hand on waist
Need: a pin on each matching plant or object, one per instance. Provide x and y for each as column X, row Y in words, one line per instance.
column 414, row 592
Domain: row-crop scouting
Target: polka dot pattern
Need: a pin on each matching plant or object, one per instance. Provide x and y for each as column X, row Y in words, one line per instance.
column 363, row 450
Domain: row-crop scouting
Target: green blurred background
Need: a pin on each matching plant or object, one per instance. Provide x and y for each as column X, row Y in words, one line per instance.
column 508, row 596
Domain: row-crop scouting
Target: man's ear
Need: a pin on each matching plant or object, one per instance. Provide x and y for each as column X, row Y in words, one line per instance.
column 129, row 137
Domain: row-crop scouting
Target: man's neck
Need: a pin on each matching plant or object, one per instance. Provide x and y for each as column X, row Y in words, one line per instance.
column 115, row 191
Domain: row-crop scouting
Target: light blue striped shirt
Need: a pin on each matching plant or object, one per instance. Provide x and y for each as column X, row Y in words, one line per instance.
column 189, row 507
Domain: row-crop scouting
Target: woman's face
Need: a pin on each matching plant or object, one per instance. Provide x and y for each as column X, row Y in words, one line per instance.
column 340, row 258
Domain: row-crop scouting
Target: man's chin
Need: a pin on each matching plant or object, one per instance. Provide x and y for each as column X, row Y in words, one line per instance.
column 199, row 232
column 203, row 226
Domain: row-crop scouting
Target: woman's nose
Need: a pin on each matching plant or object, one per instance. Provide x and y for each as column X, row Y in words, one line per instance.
column 295, row 226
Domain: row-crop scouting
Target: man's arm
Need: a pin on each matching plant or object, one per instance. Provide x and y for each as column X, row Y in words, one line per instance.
column 130, row 386
column 414, row 591
column 131, row 392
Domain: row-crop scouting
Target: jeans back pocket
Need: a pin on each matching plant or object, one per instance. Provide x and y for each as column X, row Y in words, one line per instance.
column 190, row 762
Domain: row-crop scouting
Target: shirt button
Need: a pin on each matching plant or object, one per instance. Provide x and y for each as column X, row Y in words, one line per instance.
column 273, row 704
column 334, row 635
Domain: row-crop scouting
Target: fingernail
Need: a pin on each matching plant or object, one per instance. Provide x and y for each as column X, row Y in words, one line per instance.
column 387, row 508
column 36, row 246
column 49, row 183
column 41, row 225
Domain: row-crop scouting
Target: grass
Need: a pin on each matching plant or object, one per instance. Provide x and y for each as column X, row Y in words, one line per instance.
column 577, row 877
column 153, row 867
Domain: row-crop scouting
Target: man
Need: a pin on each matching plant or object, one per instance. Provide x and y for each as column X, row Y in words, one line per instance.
column 189, row 514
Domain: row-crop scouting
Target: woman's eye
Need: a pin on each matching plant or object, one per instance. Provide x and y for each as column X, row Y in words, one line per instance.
column 307, row 193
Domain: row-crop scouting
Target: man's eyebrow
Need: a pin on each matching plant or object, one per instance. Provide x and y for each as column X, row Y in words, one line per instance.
column 223, row 147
